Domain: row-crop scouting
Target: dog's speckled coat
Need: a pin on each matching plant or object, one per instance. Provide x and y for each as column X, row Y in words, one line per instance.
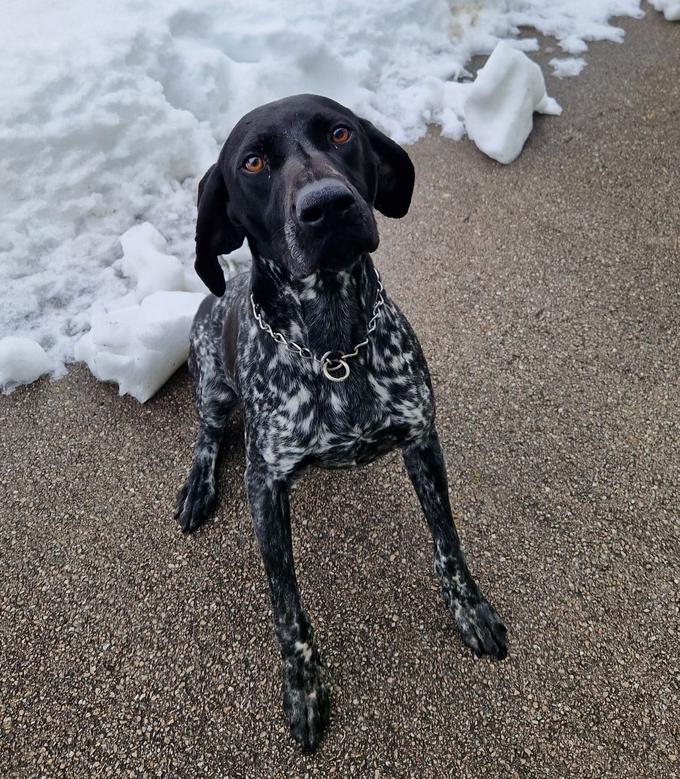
column 319, row 293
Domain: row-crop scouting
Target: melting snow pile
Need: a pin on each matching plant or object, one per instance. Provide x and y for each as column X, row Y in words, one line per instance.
column 111, row 110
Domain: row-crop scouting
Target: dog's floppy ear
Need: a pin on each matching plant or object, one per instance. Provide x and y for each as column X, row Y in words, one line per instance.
column 215, row 232
column 395, row 174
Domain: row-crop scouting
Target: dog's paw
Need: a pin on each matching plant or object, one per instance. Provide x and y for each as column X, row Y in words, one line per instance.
column 480, row 626
column 306, row 704
column 195, row 501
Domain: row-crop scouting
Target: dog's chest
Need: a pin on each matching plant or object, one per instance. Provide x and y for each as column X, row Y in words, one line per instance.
column 298, row 418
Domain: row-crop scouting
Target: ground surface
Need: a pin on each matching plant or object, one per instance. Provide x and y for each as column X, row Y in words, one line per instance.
column 546, row 298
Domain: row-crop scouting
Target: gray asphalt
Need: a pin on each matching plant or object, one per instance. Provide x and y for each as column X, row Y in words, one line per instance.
column 546, row 296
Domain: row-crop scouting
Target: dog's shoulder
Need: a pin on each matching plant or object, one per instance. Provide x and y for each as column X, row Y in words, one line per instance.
column 398, row 370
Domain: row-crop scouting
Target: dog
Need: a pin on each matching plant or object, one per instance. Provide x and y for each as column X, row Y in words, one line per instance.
column 328, row 371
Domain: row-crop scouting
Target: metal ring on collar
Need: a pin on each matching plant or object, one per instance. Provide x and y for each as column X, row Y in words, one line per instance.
column 332, row 365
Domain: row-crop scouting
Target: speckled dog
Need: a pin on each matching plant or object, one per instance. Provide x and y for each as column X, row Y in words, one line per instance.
column 327, row 369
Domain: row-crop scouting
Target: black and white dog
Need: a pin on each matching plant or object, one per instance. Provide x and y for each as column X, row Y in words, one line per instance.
column 326, row 367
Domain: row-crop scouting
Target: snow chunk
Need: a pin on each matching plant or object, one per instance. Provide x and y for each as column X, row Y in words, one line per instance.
column 500, row 106
column 140, row 338
column 22, row 360
column 567, row 67
column 142, row 345
column 147, row 263
column 669, row 8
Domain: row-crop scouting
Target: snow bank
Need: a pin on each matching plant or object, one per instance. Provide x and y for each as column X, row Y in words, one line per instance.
column 22, row 360
column 500, row 107
column 111, row 110
column 669, row 8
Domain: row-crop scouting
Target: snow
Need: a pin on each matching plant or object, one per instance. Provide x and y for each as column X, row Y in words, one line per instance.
column 22, row 360
column 567, row 67
column 501, row 103
column 141, row 345
column 669, row 8
column 147, row 263
column 112, row 110
column 140, row 339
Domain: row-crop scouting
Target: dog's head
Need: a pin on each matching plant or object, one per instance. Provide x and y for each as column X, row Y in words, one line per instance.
column 299, row 178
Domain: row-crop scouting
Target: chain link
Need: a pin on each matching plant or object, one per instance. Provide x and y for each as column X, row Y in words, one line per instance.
column 334, row 368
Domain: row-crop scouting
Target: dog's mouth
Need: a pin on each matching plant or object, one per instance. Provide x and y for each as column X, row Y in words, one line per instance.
column 335, row 250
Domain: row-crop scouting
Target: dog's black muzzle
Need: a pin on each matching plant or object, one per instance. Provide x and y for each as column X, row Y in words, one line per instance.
column 334, row 224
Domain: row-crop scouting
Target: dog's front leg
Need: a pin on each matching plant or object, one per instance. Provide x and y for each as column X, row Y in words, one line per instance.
column 479, row 624
column 305, row 695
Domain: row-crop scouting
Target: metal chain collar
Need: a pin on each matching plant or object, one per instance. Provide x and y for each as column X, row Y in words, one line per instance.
column 333, row 364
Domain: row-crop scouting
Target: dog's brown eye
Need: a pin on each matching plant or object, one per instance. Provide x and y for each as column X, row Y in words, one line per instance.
column 254, row 163
column 340, row 135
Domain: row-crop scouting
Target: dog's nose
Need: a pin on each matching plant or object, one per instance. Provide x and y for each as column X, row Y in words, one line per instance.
column 322, row 199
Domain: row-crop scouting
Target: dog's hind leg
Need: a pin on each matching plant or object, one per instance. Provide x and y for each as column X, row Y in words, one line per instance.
column 480, row 626
column 214, row 402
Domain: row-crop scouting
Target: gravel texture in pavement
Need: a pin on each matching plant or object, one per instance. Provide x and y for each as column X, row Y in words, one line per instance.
column 546, row 297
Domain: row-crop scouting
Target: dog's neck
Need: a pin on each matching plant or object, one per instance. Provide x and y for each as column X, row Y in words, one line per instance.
column 325, row 311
